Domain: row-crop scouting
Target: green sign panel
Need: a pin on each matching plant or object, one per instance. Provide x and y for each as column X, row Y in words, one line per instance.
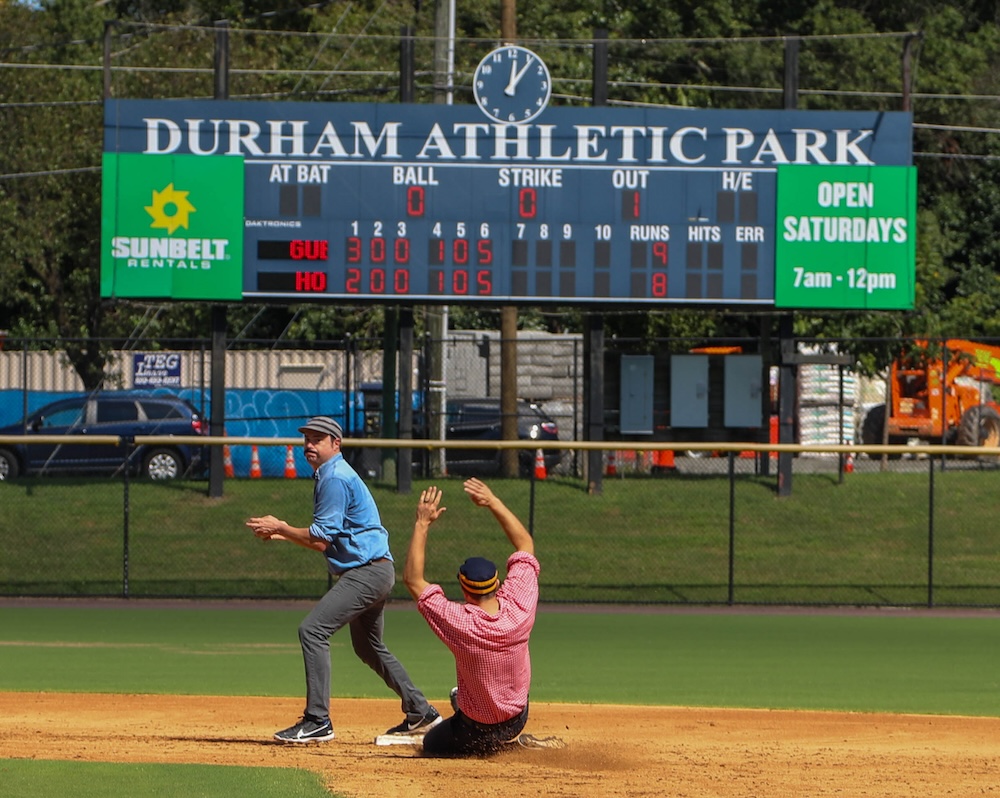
column 845, row 237
column 172, row 227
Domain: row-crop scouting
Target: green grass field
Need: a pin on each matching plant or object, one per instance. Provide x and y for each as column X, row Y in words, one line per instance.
column 22, row 778
column 869, row 661
column 864, row 542
column 644, row 540
column 884, row 661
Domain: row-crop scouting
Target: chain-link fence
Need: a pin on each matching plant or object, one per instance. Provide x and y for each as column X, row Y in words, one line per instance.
column 854, row 529
column 717, row 513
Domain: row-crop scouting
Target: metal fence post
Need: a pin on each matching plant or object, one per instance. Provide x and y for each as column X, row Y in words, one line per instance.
column 930, row 533
column 24, row 379
column 531, row 503
column 732, row 526
column 126, row 513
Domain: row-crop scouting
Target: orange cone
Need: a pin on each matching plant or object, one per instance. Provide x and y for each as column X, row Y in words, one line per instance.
column 663, row 460
column 290, row 463
column 255, row 472
column 540, row 472
column 612, row 468
column 227, row 462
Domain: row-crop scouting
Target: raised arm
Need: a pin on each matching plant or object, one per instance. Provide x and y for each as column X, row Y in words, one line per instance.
column 428, row 511
column 518, row 536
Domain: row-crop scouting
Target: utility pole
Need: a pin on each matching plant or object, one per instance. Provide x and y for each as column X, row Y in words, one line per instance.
column 788, row 372
column 437, row 315
column 508, row 313
column 593, row 332
column 217, row 413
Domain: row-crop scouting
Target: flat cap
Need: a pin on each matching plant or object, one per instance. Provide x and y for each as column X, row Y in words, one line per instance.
column 323, row 424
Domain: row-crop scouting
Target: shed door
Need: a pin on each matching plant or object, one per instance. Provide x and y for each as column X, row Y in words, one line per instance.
column 689, row 391
column 637, row 395
column 744, row 380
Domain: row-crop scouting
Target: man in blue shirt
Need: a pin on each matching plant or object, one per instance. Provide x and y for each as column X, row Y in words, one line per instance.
column 348, row 530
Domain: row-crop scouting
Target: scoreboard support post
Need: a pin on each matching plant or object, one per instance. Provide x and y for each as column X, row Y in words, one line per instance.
column 217, row 418
column 217, row 425
column 787, row 373
column 593, row 406
column 404, row 457
column 593, row 342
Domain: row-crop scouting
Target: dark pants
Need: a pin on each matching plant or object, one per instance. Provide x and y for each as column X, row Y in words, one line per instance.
column 357, row 599
column 462, row 736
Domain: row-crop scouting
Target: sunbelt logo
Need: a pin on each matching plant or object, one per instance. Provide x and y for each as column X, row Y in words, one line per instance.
column 170, row 209
column 172, row 227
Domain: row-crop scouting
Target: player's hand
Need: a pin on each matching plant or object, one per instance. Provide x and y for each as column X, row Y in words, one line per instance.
column 428, row 508
column 478, row 492
column 266, row 527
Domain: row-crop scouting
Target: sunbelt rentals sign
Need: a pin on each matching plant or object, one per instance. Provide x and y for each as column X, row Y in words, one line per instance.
column 172, row 227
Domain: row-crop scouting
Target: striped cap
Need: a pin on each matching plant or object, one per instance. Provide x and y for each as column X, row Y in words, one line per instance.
column 478, row 576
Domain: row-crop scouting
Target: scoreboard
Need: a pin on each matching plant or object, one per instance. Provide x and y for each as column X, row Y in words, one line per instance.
column 512, row 233
column 430, row 203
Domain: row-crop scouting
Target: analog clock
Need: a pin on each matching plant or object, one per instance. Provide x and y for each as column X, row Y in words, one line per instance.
column 512, row 85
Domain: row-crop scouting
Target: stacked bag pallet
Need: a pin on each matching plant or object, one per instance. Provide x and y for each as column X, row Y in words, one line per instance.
column 827, row 401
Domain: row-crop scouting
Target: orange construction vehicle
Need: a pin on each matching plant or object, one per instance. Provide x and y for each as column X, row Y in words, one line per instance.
column 940, row 395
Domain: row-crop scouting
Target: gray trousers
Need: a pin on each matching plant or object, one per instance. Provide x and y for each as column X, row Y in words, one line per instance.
column 357, row 599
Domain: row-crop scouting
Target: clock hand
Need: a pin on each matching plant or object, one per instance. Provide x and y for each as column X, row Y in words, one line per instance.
column 516, row 75
column 512, row 81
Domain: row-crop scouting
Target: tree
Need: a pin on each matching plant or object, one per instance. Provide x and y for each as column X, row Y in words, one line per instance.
column 48, row 272
column 714, row 54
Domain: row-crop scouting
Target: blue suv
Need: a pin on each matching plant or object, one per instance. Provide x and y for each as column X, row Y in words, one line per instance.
column 123, row 414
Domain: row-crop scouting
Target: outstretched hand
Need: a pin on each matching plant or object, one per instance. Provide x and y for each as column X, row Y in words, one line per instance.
column 428, row 508
column 265, row 527
column 478, row 492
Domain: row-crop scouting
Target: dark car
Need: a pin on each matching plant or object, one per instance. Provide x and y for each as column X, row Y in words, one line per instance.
column 113, row 413
column 479, row 419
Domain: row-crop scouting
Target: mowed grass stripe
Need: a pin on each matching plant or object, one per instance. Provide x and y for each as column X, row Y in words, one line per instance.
column 885, row 661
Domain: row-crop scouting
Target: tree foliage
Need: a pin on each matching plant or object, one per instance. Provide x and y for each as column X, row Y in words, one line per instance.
column 711, row 53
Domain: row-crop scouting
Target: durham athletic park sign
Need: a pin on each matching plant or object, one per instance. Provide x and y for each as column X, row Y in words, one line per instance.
column 254, row 201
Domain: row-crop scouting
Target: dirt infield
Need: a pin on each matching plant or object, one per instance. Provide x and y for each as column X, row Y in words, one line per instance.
column 612, row 750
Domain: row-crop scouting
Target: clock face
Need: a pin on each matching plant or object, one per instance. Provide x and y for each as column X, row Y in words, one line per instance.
column 512, row 85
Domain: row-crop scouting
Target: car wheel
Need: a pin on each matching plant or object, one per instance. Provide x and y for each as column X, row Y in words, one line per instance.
column 162, row 464
column 9, row 468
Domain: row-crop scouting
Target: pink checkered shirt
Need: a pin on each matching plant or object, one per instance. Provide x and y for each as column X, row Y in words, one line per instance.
column 491, row 652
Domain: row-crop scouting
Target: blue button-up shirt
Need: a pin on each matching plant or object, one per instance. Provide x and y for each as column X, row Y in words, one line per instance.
column 346, row 516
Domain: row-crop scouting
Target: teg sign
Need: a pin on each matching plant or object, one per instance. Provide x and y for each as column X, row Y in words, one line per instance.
column 156, row 369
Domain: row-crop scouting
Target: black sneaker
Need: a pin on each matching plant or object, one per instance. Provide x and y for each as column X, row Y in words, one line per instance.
column 408, row 728
column 306, row 730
